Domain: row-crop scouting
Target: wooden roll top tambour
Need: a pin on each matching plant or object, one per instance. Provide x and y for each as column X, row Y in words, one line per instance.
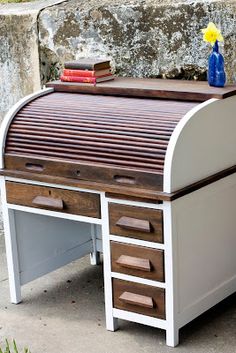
column 116, row 134
column 122, row 134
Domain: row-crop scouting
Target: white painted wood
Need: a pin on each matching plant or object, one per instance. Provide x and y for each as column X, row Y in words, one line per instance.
column 46, row 243
column 140, row 319
column 55, row 214
column 203, row 143
column 55, row 262
column 10, row 115
column 11, row 248
column 209, row 300
column 111, row 322
column 99, row 245
column 204, row 224
column 134, row 241
column 94, row 255
column 171, row 277
column 99, row 239
column 138, row 280
column 98, row 232
column 57, row 186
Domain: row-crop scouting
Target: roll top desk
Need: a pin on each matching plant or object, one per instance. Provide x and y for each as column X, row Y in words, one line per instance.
column 142, row 170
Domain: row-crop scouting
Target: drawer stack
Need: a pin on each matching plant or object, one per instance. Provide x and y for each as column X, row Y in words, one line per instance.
column 137, row 265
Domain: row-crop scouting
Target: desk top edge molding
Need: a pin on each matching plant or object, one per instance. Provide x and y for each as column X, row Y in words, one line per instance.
column 186, row 90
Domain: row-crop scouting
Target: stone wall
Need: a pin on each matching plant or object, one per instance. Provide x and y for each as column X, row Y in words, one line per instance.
column 18, row 58
column 19, row 54
column 152, row 38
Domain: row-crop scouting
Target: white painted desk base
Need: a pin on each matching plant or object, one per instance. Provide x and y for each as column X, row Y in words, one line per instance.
column 199, row 245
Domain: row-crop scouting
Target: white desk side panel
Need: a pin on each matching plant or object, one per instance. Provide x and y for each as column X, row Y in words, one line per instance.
column 202, row 144
column 204, row 224
column 46, row 243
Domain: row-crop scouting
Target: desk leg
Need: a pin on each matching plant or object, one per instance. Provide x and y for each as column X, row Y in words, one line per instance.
column 171, row 276
column 11, row 249
column 172, row 337
column 95, row 255
column 111, row 322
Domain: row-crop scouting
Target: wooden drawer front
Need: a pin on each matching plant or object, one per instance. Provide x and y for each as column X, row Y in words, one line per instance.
column 75, row 202
column 136, row 222
column 137, row 261
column 139, row 298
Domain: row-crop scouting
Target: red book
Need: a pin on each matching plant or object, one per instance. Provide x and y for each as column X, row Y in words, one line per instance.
column 80, row 79
column 86, row 73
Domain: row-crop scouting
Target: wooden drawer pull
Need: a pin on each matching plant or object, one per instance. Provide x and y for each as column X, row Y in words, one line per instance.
column 135, row 263
column 35, row 167
column 137, row 299
column 134, row 224
column 48, row 202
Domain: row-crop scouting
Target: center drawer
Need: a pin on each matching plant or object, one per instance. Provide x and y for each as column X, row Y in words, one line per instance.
column 137, row 261
column 54, row 199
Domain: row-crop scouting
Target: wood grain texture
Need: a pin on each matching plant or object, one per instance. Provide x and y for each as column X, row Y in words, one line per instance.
column 121, row 192
column 154, row 217
column 155, row 295
column 136, row 263
column 152, row 268
column 74, row 202
column 83, row 172
column 137, row 300
column 116, row 140
column 118, row 195
column 134, row 193
column 134, row 224
column 150, row 88
column 48, row 202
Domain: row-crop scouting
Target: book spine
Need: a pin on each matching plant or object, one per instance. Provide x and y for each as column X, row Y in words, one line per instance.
column 78, row 79
column 80, row 66
column 82, row 73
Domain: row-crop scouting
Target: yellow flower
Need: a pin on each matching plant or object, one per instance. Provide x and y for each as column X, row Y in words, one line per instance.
column 211, row 34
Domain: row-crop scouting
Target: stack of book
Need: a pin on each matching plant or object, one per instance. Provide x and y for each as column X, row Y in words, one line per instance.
column 87, row 71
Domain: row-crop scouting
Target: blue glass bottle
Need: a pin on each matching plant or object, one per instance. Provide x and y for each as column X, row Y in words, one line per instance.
column 216, row 73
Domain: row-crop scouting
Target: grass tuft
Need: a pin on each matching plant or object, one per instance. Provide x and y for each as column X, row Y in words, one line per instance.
column 14, row 349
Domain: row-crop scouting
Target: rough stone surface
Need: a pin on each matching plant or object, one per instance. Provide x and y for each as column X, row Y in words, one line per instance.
column 142, row 38
column 19, row 58
column 151, row 38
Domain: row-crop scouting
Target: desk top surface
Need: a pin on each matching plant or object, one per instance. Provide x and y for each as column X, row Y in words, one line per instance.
column 149, row 88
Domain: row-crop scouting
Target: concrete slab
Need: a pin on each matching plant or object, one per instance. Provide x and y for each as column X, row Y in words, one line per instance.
column 64, row 312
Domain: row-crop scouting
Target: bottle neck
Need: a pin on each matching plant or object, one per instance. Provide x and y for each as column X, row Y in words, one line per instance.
column 216, row 47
